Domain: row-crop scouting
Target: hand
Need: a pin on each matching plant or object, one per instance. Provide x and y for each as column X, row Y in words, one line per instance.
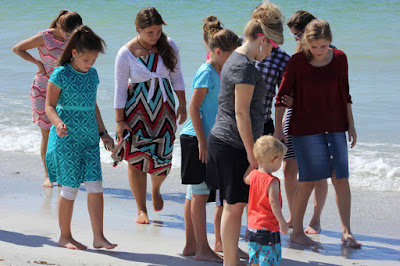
column 108, row 142
column 252, row 161
column 352, row 136
column 287, row 100
column 62, row 130
column 121, row 126
column 279, row 135
column 181, row 114
column 203, row 150
column 41, row 71
column 284, row 227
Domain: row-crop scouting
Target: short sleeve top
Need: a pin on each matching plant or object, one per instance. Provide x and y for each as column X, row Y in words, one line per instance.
column 238, row 69
column 206, row 77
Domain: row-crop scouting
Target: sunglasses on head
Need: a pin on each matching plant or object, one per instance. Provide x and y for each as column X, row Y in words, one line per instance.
column 273, row 44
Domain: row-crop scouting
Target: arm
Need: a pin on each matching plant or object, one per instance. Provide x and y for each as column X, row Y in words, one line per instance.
column 106, row 139
column 181, row 113
column 243, row 96
column 121, row 92
column 247, row 177
column 194, row 112
column 273, row 195
column 33, row 42
column 52, row 96
column 279, row 111
column 351, row 130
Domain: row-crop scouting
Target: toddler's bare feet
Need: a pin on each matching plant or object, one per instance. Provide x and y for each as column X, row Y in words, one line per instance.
column 302, row 239
column 47, row 183
column 208, row 255
column 103, row 243
column 142, row 218
column 158, row 202
column 350, row 240
column 313, row 228
column 189, row 250
column 70, row 243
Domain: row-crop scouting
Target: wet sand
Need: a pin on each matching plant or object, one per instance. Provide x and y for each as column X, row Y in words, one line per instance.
column 29, row 227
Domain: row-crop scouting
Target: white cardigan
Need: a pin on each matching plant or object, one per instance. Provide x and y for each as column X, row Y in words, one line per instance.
column 129, row 69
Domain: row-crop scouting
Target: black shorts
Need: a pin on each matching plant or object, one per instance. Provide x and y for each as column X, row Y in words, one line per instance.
column 193, row 171
column 226, row 166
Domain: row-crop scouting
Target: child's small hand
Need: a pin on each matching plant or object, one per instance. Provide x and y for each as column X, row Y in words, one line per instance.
column 284, row 227
column 62, row 130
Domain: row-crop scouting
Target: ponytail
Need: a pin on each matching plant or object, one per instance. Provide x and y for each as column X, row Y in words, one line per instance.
column 67, row 21
column 83, row 39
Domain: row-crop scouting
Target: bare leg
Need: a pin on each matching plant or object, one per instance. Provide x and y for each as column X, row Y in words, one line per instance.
column 65, row 209
column 190, row 246
column 217, row 228
column 203, row 250
column 290, row 176
column 320, row 193
column 158, row 202
column 96, row 209
column 299, row 207
column 43, row 150
column 230, row 232
column 138, row 184
column 343, row 201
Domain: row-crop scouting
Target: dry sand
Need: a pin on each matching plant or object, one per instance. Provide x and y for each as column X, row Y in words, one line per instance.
column 29, row 227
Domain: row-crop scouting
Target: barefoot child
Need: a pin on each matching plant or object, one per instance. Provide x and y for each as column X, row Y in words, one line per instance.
column 202, row 109
column 73, row 154
column 265, row 217
column 50, row 44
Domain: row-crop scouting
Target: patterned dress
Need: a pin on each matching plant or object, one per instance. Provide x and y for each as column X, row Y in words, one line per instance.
column 75, row 158
column 153, row 122
column 49, row 53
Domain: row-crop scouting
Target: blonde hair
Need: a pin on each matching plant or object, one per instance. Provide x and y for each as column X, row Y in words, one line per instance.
column 267, row 148
column 316, row 30
column 268, row 20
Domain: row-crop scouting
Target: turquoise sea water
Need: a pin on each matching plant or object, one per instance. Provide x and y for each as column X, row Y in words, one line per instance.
column 367, row 31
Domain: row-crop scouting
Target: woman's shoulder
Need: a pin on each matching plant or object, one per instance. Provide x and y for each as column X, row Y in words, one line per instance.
column 173, row 44
column 339, row 53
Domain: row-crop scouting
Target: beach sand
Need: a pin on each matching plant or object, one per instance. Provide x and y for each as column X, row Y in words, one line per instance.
column 29, row 227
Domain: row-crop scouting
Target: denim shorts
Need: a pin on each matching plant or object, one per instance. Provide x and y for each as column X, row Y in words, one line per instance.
column 200, row 189
column 321, row 154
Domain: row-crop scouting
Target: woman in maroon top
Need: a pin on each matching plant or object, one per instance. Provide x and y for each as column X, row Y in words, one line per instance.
column 317, row 78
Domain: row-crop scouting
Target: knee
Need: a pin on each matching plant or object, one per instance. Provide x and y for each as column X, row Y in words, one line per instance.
column 69, row 193
column 342, row 182
column 306, row 186
column 94, row 186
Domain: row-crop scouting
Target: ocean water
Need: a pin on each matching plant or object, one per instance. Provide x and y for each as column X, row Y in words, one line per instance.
column 368, row 31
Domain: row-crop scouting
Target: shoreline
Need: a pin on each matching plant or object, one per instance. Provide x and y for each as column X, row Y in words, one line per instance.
column 29, row 228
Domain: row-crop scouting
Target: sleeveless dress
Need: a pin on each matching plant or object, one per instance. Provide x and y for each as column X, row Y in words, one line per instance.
column 153, row 122
column 75, row 158
column 49, row 53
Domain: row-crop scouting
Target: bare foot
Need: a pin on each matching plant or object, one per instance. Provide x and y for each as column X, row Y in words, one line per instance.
column 302, row 239
column 350, row 240
column 218, row 247
column 103, row 243
column 158, row 202
column 71, row 243
column 189, row 250
column 47, row 183
column 313, row 229
column 208, row 255
column 142, row 218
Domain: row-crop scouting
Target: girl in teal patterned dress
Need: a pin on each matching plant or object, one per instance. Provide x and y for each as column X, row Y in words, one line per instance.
column 73, row 155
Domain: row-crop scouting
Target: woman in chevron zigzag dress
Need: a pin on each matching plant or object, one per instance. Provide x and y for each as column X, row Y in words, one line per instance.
column 50, row 44
column 147, row 72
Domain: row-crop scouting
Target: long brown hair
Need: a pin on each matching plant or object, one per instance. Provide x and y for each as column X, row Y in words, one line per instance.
column 148, row 17
column 83, row 39
column 299, row 21
column 67, row 21
column 315, row 30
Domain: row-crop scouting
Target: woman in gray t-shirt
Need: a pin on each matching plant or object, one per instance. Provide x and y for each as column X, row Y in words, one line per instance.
column 240, row 122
